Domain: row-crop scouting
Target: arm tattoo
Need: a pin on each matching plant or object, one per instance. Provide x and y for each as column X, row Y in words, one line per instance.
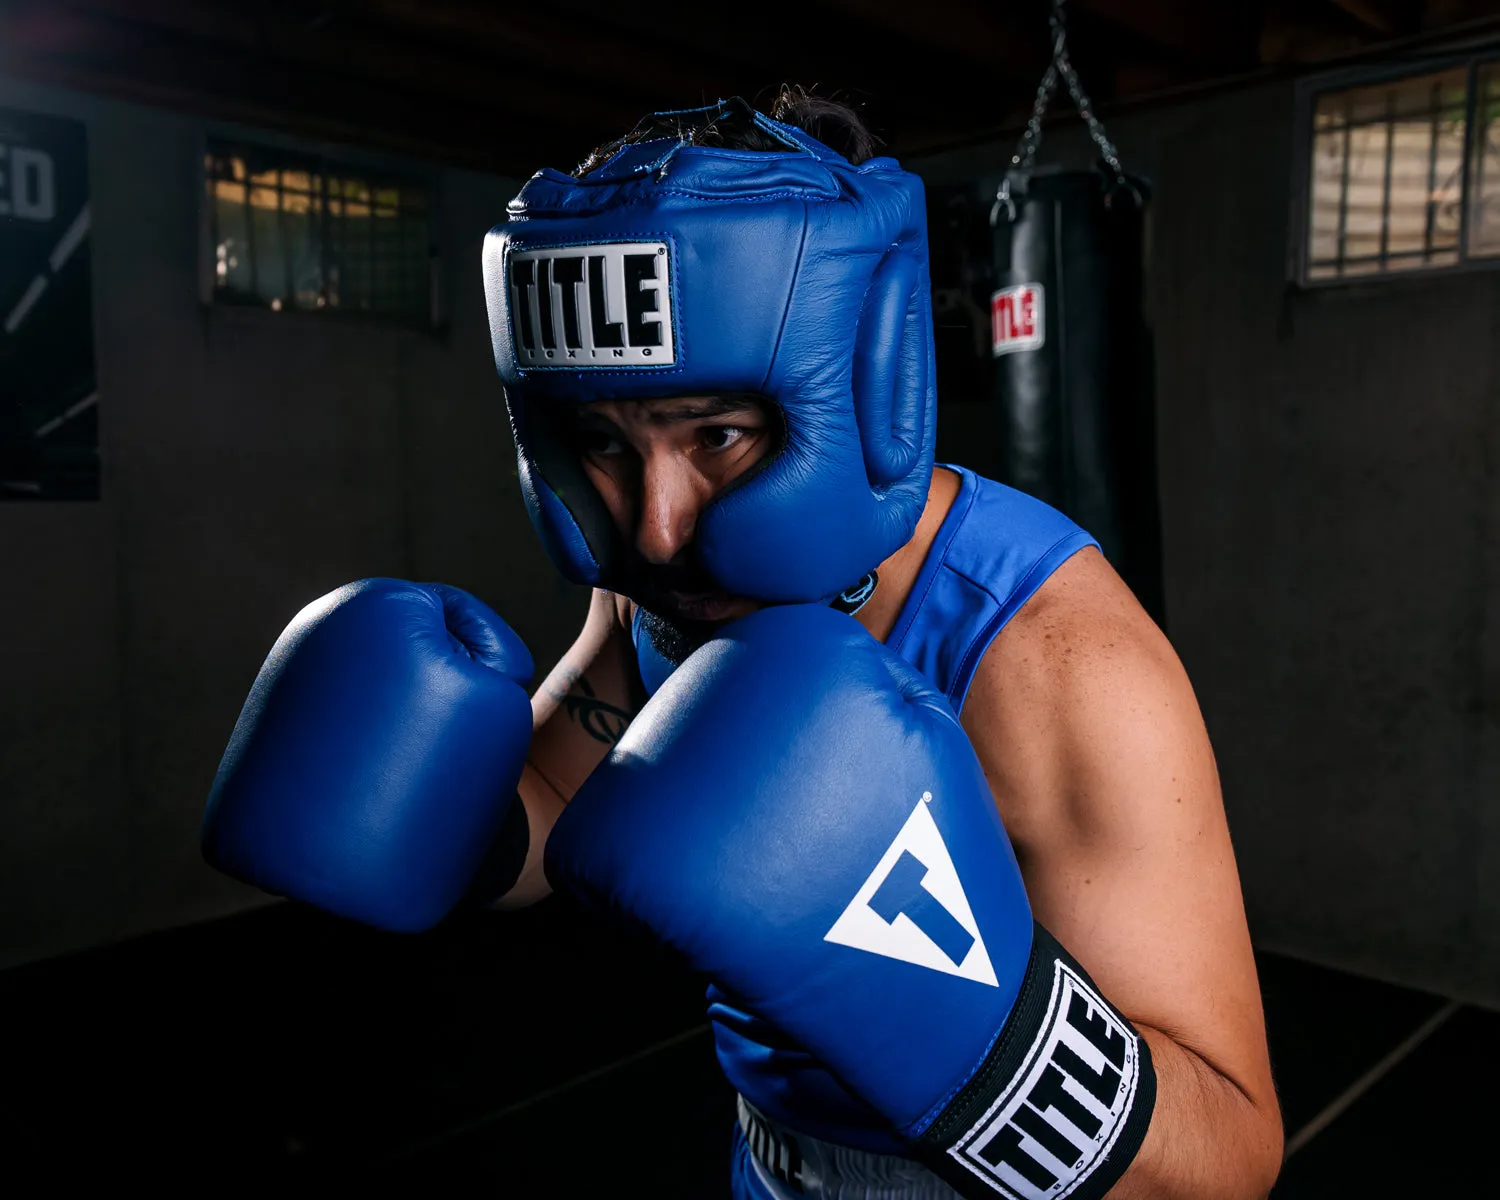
column 601, row 720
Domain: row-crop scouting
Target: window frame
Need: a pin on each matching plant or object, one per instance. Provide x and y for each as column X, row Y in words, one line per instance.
column 1308, row 91
column 339, row 157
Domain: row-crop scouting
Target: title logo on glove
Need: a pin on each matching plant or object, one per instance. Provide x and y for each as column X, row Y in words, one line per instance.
column 913, row 908
column 606, row 305
column 1055, row 1123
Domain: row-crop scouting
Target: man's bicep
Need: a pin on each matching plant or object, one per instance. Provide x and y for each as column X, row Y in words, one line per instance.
column 1091, row 737
column 1138, row 878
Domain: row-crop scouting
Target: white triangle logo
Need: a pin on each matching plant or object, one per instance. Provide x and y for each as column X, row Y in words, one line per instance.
column 913, row 908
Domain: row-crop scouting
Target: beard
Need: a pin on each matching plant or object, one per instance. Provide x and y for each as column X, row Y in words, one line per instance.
column 674, row 633
column 675, row 638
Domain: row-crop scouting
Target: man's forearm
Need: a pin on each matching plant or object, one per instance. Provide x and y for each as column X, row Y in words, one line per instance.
column 1208, row 1140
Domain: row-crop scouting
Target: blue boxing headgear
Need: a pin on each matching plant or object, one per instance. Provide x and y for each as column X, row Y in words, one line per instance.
column 676, row 270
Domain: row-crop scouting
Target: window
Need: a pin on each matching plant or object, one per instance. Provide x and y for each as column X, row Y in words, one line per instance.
column 290, row 231
column 1404, row 174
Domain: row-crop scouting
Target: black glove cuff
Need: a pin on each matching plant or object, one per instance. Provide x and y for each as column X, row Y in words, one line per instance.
column 1060, row 1106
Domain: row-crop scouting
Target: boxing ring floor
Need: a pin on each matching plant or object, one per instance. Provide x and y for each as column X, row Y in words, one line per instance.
column 531, row 1054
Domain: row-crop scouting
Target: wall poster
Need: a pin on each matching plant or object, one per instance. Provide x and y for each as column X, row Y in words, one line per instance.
column 49, row 398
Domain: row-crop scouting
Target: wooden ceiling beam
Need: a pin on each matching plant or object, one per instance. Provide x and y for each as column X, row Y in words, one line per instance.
column 975, row 31
column 1292, row 34
column 486, row 81
column 371, row 55
column 830, row 52
column 1439, row 14
column 73, row 50
column 1137, row 77
column 325, row 82
column 206, row 19
column 637, row 67
column 1216, row 34
column 472, row 53
column 1390, row 18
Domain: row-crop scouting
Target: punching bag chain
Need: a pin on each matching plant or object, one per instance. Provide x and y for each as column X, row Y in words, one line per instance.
column 1031, row 139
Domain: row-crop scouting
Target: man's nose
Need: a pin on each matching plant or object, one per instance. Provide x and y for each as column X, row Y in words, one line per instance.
column 673, row 493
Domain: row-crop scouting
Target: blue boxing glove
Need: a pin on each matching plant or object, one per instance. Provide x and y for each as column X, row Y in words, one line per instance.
column 374, row 763
column 801, row 816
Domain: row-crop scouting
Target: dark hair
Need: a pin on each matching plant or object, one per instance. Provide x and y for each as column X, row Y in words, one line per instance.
column 836, row 124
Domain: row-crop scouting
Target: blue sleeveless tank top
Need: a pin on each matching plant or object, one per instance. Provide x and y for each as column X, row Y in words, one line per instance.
column 994, row 549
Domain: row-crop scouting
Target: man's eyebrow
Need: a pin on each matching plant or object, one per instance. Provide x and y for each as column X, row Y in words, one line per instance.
column 706, row 406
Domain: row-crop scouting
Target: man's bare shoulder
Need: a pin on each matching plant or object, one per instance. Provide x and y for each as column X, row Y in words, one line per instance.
column 1082, row 625
column 1080, row 673
column 1083, row 617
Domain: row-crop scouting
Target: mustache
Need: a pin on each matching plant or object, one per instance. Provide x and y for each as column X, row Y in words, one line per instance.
column 651, row 582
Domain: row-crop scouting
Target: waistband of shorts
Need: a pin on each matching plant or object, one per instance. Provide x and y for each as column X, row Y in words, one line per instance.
column 794, row 1166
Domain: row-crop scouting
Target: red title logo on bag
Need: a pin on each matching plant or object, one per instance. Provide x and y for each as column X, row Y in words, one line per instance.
column 1017, row 319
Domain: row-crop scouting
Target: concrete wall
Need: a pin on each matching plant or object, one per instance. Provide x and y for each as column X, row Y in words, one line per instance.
column 1332, row 542
column 251, row 461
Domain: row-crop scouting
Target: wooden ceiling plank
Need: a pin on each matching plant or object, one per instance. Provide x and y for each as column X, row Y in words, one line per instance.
column 353, row 55
column 1294, row 33
column 975, row 31
column 828, row 53
column 1440, row 14
column 207, row 19
column 1207, row 33
column 226, row 83
column 525, row 68
column 638, row 66
column 1389, row 17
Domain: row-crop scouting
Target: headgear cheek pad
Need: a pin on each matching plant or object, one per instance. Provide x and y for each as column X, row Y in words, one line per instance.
column 678, row 270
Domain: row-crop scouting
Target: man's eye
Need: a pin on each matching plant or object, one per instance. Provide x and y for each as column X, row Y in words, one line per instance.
column 721, row 437
column 597, row 442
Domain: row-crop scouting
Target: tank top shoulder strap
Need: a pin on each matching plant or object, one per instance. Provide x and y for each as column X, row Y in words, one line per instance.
column 995, row 548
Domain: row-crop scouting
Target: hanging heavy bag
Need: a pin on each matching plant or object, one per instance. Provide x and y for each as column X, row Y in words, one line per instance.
column 1074, row 373
column 1073, row 365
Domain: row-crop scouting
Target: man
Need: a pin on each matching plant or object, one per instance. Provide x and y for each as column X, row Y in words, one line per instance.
column 679, row 329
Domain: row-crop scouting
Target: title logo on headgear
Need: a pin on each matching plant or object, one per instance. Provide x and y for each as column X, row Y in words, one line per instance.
column 606, row 305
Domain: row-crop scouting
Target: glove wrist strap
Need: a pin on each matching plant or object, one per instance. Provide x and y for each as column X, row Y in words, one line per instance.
column 1061, row 1103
